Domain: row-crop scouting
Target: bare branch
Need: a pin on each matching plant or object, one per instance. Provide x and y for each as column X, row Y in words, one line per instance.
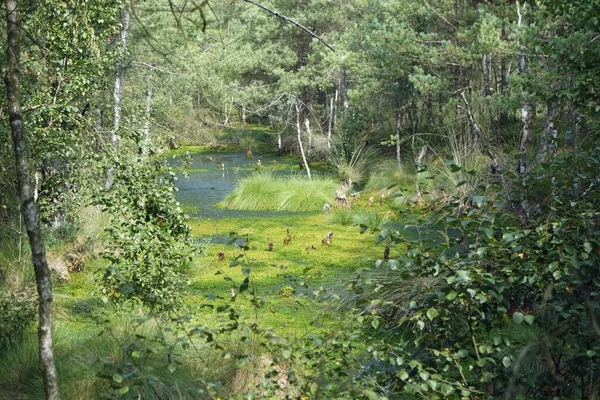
column 440, row 15
column 288, row 19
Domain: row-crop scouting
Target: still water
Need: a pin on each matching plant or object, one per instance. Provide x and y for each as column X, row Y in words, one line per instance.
column 212, row 176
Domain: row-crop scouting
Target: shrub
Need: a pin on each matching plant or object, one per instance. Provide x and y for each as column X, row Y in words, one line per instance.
column 513, row 301
column 17, row 312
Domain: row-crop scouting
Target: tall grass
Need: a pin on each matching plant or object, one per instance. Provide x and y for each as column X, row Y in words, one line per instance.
column 351, row 160
column 270, row 192
column 88, row 355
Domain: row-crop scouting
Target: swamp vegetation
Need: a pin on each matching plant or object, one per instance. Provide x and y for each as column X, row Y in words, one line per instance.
column 388, row 199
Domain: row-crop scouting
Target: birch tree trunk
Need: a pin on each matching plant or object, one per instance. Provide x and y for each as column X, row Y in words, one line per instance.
column 117, row 93
column 549, row 131
column 398, row 154
column 525, row 106
column 28, row 206
column 343, row 92
column 299, row 133
column 332, row 116
column 419, row 166
column 147, row 117
column 330, row 122
column 309, row 134
column 125, row 17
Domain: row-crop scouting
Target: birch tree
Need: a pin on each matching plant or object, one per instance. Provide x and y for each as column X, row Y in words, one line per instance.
column 29, row 210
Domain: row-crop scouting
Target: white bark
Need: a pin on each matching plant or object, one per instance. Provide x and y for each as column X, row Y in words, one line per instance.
column 278, row 142
column 309, row 134
column 419, row 165
column 299, row 133
column 147, row 118
column 398, row 154
column 329, row 125
column 117, row 93
column 525, row 106
column 29, row 210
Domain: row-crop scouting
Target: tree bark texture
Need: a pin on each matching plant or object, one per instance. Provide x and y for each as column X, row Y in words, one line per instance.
column 549, row 131
column 147, row 117
column 28, row 206
column 117, row 93
column 299, row 133
column 478, row 137
column 525, row 106
column 124, row 17
column 343, row 92
column 309, row 134
column 330, row 122
column 398, row 147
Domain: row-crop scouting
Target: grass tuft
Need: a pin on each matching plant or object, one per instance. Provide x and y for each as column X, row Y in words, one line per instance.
column 271, row 192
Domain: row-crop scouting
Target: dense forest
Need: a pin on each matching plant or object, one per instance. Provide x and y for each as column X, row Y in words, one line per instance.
column 300, row 199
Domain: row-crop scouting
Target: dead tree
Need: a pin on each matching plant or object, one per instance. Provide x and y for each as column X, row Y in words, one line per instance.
column 478, row 135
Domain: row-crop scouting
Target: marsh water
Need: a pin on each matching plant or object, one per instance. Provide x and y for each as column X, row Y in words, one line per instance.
column 212, row 176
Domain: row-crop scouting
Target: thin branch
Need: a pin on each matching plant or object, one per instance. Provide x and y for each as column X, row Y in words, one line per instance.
column 288, row 19
column 150, row 66
column 440, row 15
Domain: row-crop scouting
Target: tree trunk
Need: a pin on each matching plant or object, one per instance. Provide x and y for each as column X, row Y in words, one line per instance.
column 147, row 118
column 398, row 154
column 330, row 122
column 299, row 133
column 525, row 107
column 548, row 131
column 419, row 165
column 125, row 17
column 309, row 134
column 343, row 92
column 478, row 137
column 28, row 206
column 117, row 94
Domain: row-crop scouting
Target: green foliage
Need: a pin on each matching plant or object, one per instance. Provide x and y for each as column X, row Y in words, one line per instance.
column 271, row 192
column 489, row 274
column 150, row 247
column 17, row 312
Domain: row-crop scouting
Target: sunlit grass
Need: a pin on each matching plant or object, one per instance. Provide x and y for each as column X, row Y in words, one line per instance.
column 271, row 192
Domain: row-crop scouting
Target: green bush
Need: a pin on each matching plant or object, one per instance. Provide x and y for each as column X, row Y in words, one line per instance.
column 17, row 312
column 514, row 305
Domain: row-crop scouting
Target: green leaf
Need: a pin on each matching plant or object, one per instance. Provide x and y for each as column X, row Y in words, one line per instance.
column 403, row 375
column 529, row 318
column 286, row 354
column 481, row 251
column 123, row 390
column 432, row 313
column 507, row 362
column 447, row 390
column 433, row 384
column 518, row 318
column 587, row 247
column 371, row 395
column 452, row 165
column 117, row 378
column 171, row 368
column 375, row 323
column 479, row 200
